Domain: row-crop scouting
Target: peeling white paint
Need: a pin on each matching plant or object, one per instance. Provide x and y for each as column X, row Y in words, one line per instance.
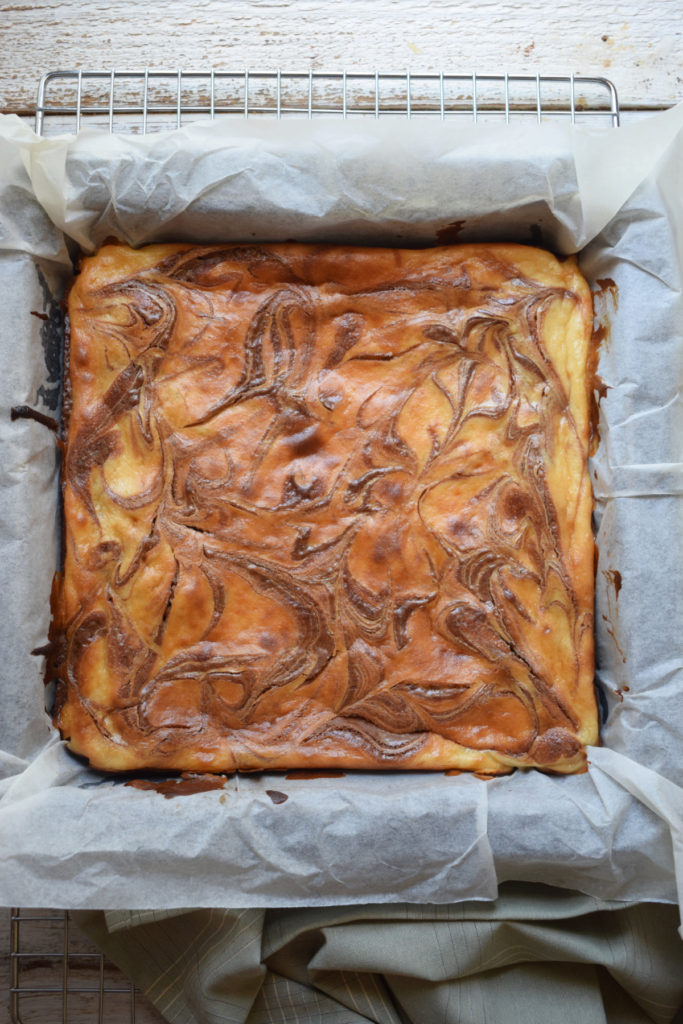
column 639, row 46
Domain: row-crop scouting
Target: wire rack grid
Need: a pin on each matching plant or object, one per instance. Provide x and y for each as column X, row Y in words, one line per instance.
column 57, row 977
column 152, row 100
column 144, row 101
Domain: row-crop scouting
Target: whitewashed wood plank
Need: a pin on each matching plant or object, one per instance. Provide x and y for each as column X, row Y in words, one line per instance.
column 637, row 45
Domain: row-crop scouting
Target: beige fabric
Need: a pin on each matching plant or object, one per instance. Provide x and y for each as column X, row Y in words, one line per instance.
column 536, row 955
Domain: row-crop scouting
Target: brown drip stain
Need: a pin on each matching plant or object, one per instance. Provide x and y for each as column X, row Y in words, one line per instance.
column 276, row 796
column 45, row 650
column 41, row 316
column 186, row 785
column 305, row 774
column 599, row 386
column 605, row 293
column 449, row 234
column 610, row 630
column 613, row 576
column 598, row 391
column 25, row 412
column 605, row 286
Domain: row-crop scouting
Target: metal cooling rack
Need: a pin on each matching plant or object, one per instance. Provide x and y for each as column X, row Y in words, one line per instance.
column 145, row 101
column 151, row 100
column 58, row 977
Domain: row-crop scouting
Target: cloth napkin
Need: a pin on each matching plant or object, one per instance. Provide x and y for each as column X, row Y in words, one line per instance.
column 535, row 955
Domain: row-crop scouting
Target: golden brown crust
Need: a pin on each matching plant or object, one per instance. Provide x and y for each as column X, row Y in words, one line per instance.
column 327, row 507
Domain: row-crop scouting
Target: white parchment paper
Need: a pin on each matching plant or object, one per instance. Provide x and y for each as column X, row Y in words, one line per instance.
column 70, row 837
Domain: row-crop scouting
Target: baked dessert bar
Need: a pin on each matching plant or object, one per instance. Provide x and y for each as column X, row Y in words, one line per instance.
column 327, row 507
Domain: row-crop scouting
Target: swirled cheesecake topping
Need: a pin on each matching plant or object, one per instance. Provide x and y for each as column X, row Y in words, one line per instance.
column 327, row 507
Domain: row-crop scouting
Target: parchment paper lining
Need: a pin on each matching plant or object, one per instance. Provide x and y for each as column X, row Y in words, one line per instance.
column 70, row 838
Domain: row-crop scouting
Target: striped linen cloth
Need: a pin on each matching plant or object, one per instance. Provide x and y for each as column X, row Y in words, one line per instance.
column 535, row 955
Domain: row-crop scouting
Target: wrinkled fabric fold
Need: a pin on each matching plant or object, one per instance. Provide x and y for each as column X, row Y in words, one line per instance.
column 519, row 958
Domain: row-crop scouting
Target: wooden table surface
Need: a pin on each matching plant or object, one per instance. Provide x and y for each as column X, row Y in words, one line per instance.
column 638, row 46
